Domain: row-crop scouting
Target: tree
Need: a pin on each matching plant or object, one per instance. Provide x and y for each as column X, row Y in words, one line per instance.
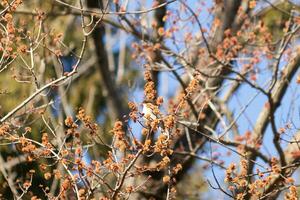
column 219, row 78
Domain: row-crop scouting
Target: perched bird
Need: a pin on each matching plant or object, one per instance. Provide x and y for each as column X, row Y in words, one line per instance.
column 152, row 113
column 148, row 111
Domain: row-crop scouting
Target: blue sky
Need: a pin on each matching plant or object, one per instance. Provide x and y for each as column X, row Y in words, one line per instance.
column 169, row 86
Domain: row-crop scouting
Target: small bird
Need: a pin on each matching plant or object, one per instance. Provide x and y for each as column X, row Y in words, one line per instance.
column 149, row 115
column 148, row 111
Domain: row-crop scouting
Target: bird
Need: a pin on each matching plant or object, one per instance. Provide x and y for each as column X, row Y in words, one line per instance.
column 149, row 115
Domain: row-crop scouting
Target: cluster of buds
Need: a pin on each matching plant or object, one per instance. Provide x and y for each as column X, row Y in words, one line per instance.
column 120, row 138
column 149, row 88
column 72, row 126
column 87, row 121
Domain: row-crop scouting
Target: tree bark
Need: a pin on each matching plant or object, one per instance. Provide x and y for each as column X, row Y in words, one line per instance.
column 115, row 101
